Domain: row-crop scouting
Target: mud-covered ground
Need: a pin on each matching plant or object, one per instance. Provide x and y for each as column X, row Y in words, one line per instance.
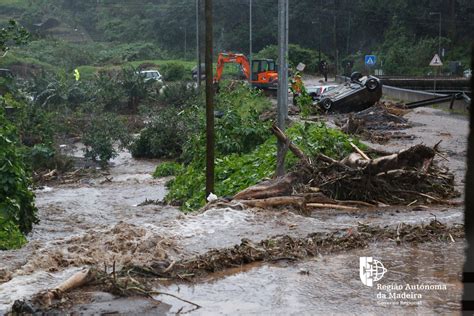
column 99, row 221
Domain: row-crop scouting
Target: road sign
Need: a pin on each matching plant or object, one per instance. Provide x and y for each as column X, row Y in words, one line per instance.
column 436, row 61
column 370, row 60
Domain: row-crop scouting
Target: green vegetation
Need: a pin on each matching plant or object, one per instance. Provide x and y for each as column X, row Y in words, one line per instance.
column 167, row 169
column 17, row 209
column 113, row 33
column 175, row 71
column 245, row 148
column 175, row 131
column 239, row 170
column 13, row 32
column 166, row 133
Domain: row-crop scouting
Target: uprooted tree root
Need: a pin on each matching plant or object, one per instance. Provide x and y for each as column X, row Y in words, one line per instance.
column 404, row 178
column 397, row 186
column 134, row 280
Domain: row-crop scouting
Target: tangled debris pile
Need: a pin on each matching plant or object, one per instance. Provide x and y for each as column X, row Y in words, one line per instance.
column 405, row 178
column 133, row 280
column 124, row 243
column 379, row 123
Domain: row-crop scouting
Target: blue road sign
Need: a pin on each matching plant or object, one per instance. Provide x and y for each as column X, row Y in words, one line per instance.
column 370, row 60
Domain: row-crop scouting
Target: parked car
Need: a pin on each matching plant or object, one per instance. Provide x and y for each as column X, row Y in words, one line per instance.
column 152, row 75
column 358, row 94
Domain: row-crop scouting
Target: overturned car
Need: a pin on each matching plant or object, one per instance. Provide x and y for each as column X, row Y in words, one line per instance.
column 358, row 94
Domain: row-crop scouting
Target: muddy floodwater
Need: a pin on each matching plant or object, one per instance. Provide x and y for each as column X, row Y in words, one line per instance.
column 331, row 284
column 101, row 220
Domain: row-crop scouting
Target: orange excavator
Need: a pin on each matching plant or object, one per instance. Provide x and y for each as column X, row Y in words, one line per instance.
column 263, row 74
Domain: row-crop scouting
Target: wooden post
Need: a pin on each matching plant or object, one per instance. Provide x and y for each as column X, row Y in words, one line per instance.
column 282, row 107
column 209, row 102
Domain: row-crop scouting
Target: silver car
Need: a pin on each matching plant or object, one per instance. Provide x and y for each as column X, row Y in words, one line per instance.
column 152, row 75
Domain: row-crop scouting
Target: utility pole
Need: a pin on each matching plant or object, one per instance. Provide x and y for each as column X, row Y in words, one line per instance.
column 320, row 30
column 198, row 50
column 468, row 271
column 336, row 53
column 209, row 101
column 185, row 41
column 439, row 31
column 250, row 38
column 348, row 35
column 319, row 48
column 282, row 107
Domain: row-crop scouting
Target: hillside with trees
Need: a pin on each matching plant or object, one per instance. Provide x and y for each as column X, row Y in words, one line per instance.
column 403, row 34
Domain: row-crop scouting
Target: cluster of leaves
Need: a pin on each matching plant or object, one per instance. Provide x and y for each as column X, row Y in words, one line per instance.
column 237, row 171
column 305, row 103
column 176, row 94
column 234, row 133
column 103, row 131
column 167, row 169
column 166, row 133
column 13, row 32
column 174, row 72
column 17, row 209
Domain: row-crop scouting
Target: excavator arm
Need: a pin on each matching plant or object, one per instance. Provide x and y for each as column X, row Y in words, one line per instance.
column 231, row 58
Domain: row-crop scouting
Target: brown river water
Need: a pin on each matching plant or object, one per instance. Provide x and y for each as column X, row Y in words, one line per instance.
column 96, row 221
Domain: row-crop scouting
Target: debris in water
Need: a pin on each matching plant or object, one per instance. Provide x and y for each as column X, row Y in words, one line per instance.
column 133, row 279
column 405, row 178
column 379, row 123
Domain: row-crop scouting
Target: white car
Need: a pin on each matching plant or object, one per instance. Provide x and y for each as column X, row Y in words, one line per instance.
column 152, row 75
column 316, row 91
column 468, row 73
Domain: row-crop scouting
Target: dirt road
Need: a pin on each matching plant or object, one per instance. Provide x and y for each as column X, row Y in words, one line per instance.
column 100, row 220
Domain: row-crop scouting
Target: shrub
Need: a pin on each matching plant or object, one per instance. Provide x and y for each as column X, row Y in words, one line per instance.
column 42, row 157
column 177, row 94
column 103, row 133
column 167, row 131
column 234, row 133
column 109, row 91
column 135, row 87
column 17, row 209
column 166, row 169
column 10, row 235
column 173, row 71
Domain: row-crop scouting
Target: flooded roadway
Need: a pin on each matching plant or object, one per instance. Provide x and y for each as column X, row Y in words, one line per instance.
column 97, row 221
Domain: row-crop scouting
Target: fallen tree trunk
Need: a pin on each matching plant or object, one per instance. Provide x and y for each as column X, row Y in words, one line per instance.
column 78, row 279
column 294, row 149
column 296, row 201
column 413, row 157
column 277, row 187
column 333, row 206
